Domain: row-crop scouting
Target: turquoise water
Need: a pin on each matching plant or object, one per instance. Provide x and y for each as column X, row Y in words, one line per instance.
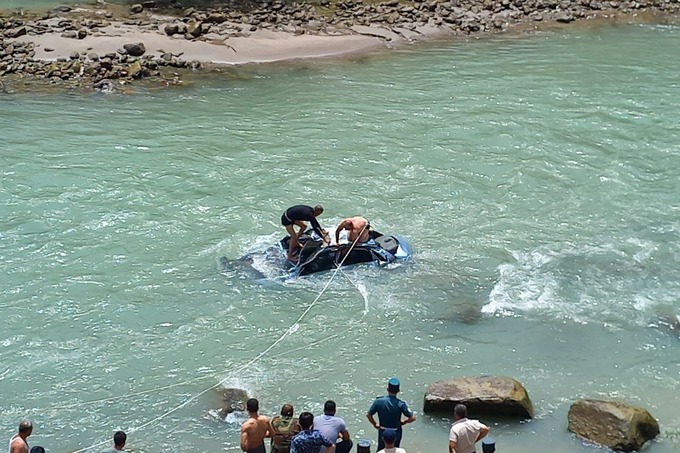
column 535, row 176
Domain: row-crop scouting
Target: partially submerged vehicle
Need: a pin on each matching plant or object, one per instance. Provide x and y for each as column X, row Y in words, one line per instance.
column 315, row 256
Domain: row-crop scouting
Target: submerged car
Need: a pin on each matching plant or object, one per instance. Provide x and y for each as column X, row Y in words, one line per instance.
column 315, row 256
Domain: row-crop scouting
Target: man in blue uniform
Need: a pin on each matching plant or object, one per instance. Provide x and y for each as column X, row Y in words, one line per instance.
column 390, row 409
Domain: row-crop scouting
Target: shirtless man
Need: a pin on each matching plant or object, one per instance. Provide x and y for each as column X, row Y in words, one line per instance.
column 18, row 444
column 255, row 429
column 358, row 228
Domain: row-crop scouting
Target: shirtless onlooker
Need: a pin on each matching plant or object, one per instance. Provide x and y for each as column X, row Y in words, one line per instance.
column 18, row 444
column 358, row 229
column 255, row 429
column 119, row 439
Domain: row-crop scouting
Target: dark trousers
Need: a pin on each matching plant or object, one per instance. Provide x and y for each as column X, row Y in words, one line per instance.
column 381, row 443
column 344, row 446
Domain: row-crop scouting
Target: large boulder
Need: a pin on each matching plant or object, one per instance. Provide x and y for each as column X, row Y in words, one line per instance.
column 488, row 395
column 612, row 424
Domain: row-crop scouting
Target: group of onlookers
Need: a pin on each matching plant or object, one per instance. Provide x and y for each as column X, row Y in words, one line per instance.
column 328, row 433
column 325, row 433
column 18, row 443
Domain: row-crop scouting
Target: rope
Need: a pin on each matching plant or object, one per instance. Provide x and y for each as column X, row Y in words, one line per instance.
column 288, row 331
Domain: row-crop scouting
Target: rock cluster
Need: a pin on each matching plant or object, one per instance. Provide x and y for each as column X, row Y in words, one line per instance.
column 87, row 67
column 328, row 17
column 613, row 424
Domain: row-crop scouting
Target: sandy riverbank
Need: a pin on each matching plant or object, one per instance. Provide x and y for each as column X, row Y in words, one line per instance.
column 98, row 44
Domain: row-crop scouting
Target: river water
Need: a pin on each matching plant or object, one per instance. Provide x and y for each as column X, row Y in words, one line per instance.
column 536, row 177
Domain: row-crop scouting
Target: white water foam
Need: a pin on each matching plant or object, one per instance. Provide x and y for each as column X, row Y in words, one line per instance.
column 613, row 284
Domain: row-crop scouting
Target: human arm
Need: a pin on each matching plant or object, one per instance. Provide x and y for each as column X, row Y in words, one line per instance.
column 270, row 428
column 410, row 419
column 315, row 225
column 344, row 225
column 452, row 446
column 482, row 433
column 244, row 439
column 372, row 420
column 408, row 413
column 17, row 447
column 344, row 434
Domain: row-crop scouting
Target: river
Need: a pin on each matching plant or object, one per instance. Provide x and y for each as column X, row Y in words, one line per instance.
column 536, row 177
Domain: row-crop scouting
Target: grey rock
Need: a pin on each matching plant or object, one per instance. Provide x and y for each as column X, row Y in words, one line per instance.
column 82, row 33
column 69, row 34
column 613, row 424
column 135, row 49
column 171, row 29
column 136, row 8
column 149, row 4
column 195, row 29
column 16, row 32
column 496, row 395
column 564, row 17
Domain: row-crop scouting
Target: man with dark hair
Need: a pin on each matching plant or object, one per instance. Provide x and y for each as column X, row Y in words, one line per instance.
column 18, row 443
column 37, row 449
column 309, row 440
column 389, row 437
column 390, row 409
column 465, row 433
column 298, row 215
column 119, row 440
column 255, row 429
column 283, row 428
column 332, row 428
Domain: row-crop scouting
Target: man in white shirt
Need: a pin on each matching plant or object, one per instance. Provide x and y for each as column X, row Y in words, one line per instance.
column 389, row 436
column 465, row 433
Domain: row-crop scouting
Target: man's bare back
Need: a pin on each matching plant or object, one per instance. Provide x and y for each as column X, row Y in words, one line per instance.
column 358, row 228
column 253, row 432
column 18, row 445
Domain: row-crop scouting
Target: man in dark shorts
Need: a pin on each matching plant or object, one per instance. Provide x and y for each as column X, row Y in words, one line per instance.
column 298, row 215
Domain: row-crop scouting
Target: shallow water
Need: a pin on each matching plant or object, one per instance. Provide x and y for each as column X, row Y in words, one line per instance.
column 536, row 177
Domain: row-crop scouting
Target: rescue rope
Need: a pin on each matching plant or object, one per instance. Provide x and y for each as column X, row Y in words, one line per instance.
column 288, row 331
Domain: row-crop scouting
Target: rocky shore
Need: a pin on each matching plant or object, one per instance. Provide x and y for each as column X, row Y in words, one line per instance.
column 104, row 46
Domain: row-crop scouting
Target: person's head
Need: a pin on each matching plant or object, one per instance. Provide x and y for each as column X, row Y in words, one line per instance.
column 488, row 445
column 460, row 411
column 318, row 210
column 37, row 449
column 306, row 420
column 393, row 386
column 25, row 428
column 252, row 405
column 119, row 439
column 329, row 407
column 287, row 410
column 389, row 437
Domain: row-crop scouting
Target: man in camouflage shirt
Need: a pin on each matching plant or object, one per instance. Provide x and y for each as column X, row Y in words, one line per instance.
column 283, row 428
